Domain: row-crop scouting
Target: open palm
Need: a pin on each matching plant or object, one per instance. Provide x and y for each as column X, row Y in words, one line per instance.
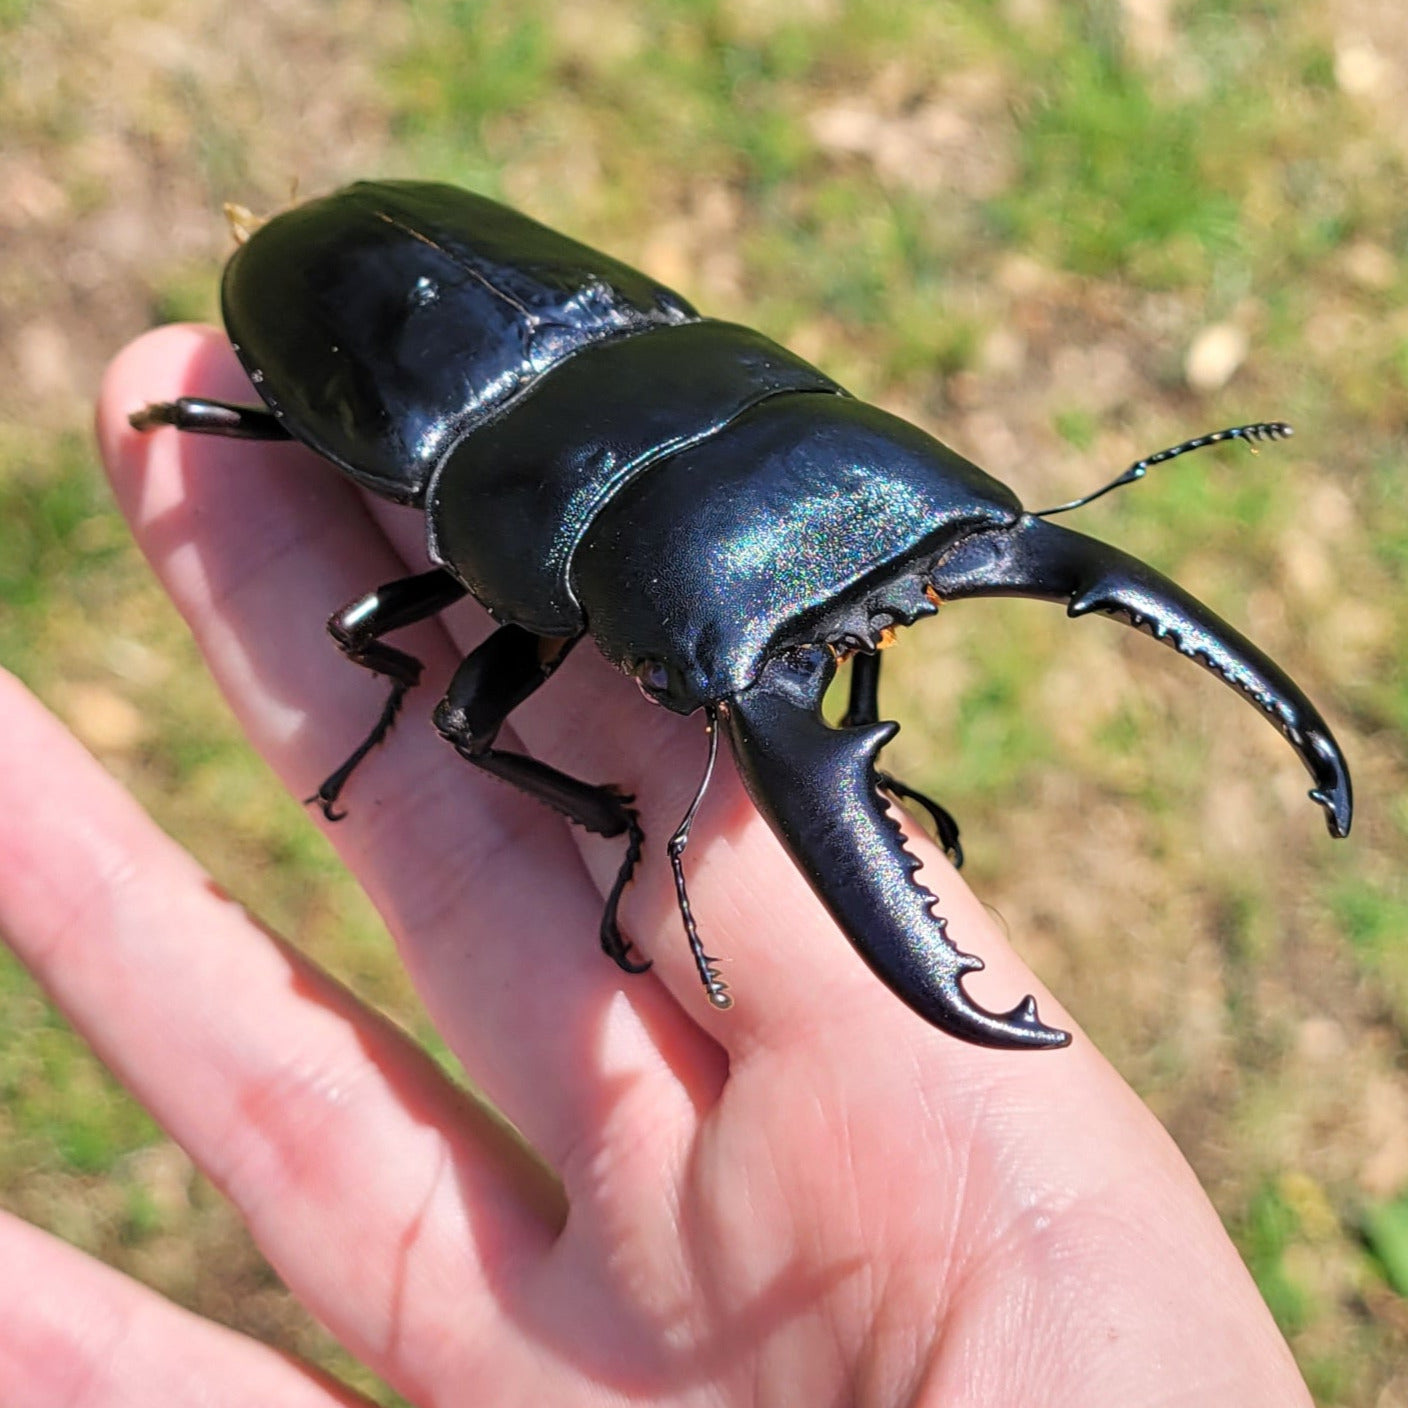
column 812, row 1199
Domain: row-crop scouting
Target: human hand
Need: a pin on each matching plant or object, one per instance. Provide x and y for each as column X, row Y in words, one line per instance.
column 812, row 1199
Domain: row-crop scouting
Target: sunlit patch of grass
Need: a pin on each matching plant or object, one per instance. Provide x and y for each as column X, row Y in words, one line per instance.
column 58, row 1098
column 61, row 542
column 1330, row 1376
column 471, row 60
column 1374, row 918
column 480, row 77
column 1078, row 428
column 1263, row 1236
column 1114, row 176
column 999, row 730
column 60, row 1111
column 1386, row 1233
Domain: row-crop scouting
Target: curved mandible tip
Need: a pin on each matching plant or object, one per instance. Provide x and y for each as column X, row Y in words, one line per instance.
column 1040, row 559
column 817, row 787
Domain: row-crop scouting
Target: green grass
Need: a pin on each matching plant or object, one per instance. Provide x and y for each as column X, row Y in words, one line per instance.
column 61, row 1109
column 1269, row 1229
column 1386, row 1232
column 1374, row 919
column 1114, row 179
column 1046, row 180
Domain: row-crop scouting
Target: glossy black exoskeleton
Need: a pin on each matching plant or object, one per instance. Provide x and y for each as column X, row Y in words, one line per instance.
column 725, row 522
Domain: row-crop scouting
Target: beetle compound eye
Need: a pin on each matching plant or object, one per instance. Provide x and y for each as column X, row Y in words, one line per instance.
column 653, row 679
column 808, row 659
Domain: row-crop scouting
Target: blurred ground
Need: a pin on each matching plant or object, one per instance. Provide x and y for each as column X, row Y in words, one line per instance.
column 1061, row 236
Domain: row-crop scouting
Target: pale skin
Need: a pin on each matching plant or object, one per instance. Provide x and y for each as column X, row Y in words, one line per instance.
column 812, row 1199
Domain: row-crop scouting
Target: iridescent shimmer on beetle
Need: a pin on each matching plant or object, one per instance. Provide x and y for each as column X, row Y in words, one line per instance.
column 724, row 521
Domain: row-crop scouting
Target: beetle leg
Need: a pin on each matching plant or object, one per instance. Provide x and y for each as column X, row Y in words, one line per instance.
column 1037, row 558
column 864, row 710
column 490, row 683
column 206, row 417
column 357, row 629
column 819, row 789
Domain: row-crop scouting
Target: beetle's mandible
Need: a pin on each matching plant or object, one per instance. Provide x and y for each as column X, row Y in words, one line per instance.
column 725, row 522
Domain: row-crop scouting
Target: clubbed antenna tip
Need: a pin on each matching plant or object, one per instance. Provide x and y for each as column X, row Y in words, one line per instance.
column 1248, row 434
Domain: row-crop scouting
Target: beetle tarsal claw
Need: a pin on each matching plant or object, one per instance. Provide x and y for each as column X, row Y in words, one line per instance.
column 819, row 789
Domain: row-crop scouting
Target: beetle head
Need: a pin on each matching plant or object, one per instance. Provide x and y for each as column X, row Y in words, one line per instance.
column 809, row 518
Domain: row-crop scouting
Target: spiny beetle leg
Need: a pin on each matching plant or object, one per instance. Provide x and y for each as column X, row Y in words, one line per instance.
column 864, row 710
column 206, row 417
column 357, row 629
column 944, row 824
column 490, row 683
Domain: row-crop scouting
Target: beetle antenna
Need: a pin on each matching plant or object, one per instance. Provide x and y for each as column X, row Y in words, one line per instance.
column 1248, row 434
column 714, row 985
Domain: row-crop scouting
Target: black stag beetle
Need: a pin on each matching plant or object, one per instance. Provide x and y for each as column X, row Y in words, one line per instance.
column 726, row 522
